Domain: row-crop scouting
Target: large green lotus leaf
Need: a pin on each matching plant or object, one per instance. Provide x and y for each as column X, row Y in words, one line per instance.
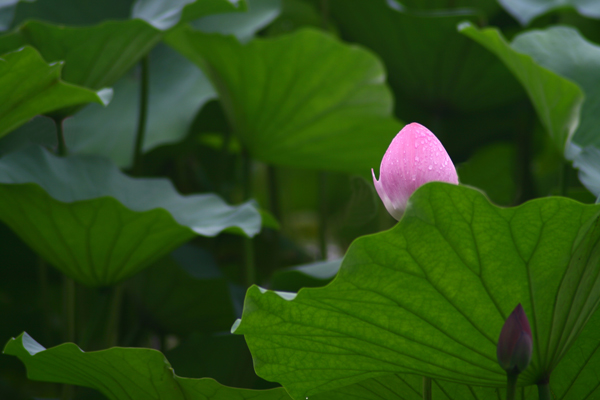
column 430, row 296
column 96, row 56
column 303, row 100
column 556, row 100
column 123, row 373
column 164, row 15
column 525, row 11
column 99, row 226
column 30, row 86
column 574, row 378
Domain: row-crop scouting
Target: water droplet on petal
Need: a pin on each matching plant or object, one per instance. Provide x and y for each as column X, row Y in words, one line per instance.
column 430, row 167
column 416, row 158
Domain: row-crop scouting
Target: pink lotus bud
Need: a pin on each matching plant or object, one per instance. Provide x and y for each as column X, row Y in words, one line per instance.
column 414, row 158
column 515, row 343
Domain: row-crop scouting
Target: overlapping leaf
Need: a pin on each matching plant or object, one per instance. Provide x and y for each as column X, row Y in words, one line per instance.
column 177, row 87
column 99, row 226
column 29, row 86
column 178, row 90
column 123, row 373
column 431, row 295
column 303, row 99
column 439, row 78
column 557, row 101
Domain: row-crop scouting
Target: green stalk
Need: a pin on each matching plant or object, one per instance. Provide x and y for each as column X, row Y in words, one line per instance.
column 544, row 392
column 427, row 388
column 43, row 280
column 114, row 316
column 69, row 314
column 60, row 138
column 142, row 117
column 249, row 265
column 323, row 214
column 563, row 177
column 511, row 385
column 274, row 205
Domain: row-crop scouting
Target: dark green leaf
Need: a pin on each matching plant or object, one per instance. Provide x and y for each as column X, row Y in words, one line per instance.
column 186, row 292
column 72, row 12
column 492, row 169
column 99, row 226
column 123, row 373
column 30, row 86
column 440, row 78
column 430, row 296
column 303, row 99
column 556, row 100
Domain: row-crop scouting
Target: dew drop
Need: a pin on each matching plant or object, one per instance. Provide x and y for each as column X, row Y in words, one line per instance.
column 416, row 158
column 430, row 167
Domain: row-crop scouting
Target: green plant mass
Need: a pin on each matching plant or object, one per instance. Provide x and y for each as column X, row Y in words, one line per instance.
column 300, row 199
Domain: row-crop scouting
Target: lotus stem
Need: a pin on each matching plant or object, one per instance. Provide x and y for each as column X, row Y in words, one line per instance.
column 60, row 138
column 544, row 392
column 511, row 385
column 114, row 316
column 142, row 116
column 250, row 267
column 323, row 214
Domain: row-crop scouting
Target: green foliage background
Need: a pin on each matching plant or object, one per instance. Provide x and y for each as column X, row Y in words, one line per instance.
column 181, row 179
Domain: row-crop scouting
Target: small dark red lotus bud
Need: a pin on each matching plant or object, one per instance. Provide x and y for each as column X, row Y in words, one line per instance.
column 515, row 344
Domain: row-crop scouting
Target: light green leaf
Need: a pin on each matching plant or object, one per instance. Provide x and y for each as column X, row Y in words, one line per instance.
column 308, row 275
column 556, row 100
column 303, row 100
column 430, row 296
column 178, row 90
column 242, row 25
column 99, row 226
column 569, row 55
column 30, row 86
column 525, row 11
column 164, row 15
column 95, row 57
column 123, row 373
